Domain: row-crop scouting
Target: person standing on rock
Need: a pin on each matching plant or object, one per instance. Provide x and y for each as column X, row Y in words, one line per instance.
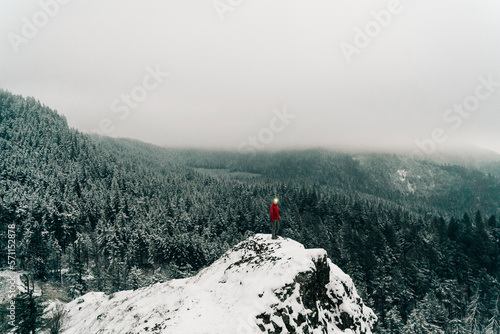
column 275, row 219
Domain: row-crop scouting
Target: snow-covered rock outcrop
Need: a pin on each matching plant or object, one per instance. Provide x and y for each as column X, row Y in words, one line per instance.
column 259, row 286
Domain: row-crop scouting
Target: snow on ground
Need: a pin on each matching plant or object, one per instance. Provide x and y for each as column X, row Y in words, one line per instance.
column 10, row 284
column 402, row 174
column 227, row 297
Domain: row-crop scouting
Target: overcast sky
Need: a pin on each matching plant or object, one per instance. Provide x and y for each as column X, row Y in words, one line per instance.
column 260, row 74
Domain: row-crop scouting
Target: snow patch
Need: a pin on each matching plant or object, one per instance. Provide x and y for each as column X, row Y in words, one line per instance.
column 403, row 177
column 402, row 174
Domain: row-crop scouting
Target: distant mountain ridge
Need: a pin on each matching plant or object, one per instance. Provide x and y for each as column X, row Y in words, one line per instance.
column 414, row 184
column 447, row 182
column 259, row 286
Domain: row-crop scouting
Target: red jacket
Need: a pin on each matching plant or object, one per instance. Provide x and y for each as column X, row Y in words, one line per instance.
column 275, row 212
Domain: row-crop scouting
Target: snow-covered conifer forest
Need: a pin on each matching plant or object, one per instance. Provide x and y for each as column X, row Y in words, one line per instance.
column 419, row 238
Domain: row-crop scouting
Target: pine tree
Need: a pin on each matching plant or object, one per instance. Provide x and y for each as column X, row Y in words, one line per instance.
column 78, row 256
column 481, row 247
column 492, row 222
column 393, row 321
column 493, row 326
column 418, row 323
column 38, row 252
column 136, row 278
column 467, row 233
column 28, row 311
column 473, row 318
column 453, row 229
column 456, row 326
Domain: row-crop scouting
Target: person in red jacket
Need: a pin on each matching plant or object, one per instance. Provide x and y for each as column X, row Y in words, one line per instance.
column 275, row 219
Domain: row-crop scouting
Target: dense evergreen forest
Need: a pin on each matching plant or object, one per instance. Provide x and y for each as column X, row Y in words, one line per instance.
column 420, row 239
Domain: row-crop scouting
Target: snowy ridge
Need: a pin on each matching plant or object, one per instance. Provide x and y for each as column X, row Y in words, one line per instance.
column 260, row 285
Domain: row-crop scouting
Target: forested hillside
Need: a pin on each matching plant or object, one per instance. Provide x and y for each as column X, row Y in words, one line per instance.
column 419, row 185
column 420, row 239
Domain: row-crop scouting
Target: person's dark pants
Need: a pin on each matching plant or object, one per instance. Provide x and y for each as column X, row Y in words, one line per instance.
column 275, row 226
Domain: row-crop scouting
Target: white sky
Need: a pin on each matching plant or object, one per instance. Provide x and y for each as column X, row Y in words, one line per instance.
column 227, row 76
